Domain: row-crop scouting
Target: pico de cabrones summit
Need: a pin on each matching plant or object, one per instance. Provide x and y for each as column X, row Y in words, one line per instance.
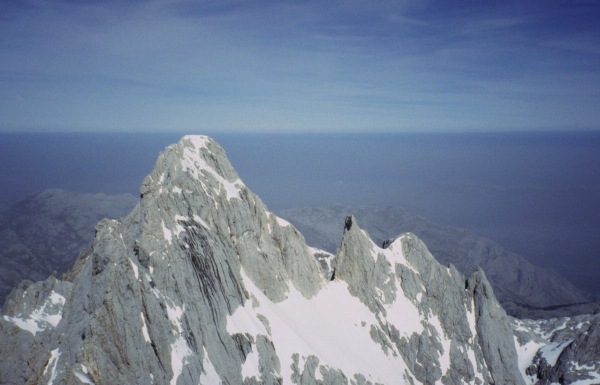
column 201, row 284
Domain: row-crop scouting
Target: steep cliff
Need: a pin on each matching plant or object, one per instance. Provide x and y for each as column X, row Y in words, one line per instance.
column 524, row 289
column 202, row 284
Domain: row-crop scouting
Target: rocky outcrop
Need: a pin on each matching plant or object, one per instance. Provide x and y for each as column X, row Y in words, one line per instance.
column 560, row 350
column 45, row 232
column 448, row 337
column 524, row 290
column 153, row 294
column 494, row 331
column 201, row 284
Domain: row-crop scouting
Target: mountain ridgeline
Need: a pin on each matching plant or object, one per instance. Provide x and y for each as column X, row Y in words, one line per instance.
column 45, row 232
column 523, row 289
column 201, row 284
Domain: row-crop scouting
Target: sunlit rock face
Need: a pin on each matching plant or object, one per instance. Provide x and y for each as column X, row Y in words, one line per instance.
column 201, row 284
column 524, row 290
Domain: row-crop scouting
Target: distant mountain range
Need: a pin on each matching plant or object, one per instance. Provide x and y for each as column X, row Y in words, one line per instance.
column 201, row 284
column 45, row 232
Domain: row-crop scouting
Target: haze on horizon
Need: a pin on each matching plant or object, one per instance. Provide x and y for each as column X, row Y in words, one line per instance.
column 226, row 67
column 535, row 194
column 273, row 66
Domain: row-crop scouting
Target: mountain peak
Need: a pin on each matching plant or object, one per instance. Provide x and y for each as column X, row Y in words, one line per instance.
column 195, row 159
column 200, row 283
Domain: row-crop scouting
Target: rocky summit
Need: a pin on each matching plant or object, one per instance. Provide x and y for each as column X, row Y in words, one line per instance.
column 201, row 284
column 523, row 289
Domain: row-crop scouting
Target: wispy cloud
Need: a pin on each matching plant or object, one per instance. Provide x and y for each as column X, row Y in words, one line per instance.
column 287, row 65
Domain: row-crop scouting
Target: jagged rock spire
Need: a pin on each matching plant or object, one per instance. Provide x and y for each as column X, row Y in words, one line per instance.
column 202, row 284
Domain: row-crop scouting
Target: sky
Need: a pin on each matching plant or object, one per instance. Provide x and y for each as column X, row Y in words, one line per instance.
column 299, row 66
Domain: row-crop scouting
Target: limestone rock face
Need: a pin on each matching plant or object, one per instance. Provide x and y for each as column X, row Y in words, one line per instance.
column 494, row 332
column 524, row 289
column 152, row 296
column 201, row 284
column 457, row 316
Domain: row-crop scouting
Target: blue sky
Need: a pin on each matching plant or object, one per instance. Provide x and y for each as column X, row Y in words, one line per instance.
column 342, row 66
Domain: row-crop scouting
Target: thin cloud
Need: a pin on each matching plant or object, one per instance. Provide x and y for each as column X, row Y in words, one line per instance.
column 286, row 64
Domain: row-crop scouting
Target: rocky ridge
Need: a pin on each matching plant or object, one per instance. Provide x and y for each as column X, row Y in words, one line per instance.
column 45, row 232
column 523, row 289
column 202, row 284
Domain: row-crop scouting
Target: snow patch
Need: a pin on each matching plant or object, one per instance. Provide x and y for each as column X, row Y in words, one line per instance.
column 202, row 222
column 145, row 329
column 586, row 370
column 180, row 351
column 49, row 314
column 319, row 327
column 232, row 189
column 318, row 375
column 322, row 256
column 196, row 164
column 404, row 313
column 167, row 234
column 250, row 368
column 209, row 374
column 178, row 230
column 175, row 313
column 578, row 367
column 57, row 299
column 199, row 141
column 134, row 267
column 179, row 357
column 52, row 362
column 471, row 320
column 245, row 319
column 395, row 254
column 445, row 354
column 82, row 376
column 525, row 355
column 552, row 351
column 282, row 222
column 28, row 325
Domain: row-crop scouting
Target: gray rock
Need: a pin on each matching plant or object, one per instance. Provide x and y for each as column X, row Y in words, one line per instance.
column 200, row 283
column 155, row 289
column 567, row 349
column 494, row 332
column 524, row 290
column 436, row 292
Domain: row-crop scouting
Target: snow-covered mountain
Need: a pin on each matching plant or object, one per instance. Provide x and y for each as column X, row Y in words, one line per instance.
column 201, row 284
column 523, row 289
